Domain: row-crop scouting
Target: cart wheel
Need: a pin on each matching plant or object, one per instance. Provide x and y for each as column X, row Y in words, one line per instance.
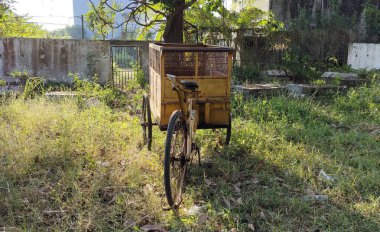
column 228, row 131
column 146, row 122
column 175, row 163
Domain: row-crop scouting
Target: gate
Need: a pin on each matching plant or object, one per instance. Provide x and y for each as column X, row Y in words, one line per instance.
column 124, row 61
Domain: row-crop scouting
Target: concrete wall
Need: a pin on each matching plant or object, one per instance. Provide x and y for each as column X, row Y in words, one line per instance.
column 54, row 59
column 364, row 56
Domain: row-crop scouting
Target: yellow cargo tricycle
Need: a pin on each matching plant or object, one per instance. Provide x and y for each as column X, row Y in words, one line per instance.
column 190, row 89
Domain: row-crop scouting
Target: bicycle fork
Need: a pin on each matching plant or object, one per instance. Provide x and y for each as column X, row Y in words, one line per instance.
column 192, row 125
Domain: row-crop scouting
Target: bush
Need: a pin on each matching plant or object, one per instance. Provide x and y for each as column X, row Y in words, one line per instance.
column 34, row 86
column 245, row 74
column 139, row 75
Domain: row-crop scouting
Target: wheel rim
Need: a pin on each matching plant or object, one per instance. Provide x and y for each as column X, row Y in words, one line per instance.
column 146, row 122
column 178, row 163
column 228, row 131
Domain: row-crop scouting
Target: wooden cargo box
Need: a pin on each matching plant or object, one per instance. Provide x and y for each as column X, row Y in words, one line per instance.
column 209, row 66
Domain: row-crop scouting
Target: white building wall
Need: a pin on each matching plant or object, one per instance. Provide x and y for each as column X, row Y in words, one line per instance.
column 364, row 56
column 238, row 5
column 81, row 7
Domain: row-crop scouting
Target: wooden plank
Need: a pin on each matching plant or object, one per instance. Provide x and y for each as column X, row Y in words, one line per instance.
column 162, row 80
column 189, row 47
column 207, row 113
column 196, row 66
column 229, row 71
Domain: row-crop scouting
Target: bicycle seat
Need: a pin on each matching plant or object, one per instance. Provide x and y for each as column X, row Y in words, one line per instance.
column 189, row 85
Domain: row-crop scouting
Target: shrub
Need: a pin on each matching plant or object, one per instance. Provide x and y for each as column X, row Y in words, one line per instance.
column 139, row 75
column 245, row 74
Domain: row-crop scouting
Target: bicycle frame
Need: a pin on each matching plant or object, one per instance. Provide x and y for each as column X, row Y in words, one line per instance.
column 189, row 107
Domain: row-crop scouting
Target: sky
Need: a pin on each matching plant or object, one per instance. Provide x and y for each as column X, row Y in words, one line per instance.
column 52, row 14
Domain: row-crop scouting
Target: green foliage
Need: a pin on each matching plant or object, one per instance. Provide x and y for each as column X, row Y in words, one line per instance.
column 372, row 17
column 97, row 20
column 69, row 32
column 3, row 82
column 374, row 76
column 20, row 73
column 70, row 162
column 109, row 95
column 148, row 15
column 67, row 167
column 364, row 101
column 244, row 74
column 319, row 82
column 306, row 69
column 34, row 86
column 139, row 76
column 302, row 66
column 330, row 19
column 12, row 25
column 208, row 17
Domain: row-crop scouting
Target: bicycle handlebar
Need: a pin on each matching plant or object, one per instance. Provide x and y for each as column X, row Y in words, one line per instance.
column 171, row 77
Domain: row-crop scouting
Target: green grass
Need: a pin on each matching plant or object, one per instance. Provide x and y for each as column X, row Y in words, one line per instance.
column 65, row 166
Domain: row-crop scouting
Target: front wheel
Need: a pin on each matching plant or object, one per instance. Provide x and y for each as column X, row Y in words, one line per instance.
column 175, row 161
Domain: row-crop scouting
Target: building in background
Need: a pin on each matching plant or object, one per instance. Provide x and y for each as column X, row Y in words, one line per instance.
column 127, row 31
column 238, row 5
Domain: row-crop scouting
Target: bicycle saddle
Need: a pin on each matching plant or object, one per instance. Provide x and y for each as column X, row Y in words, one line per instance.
column 189, row 85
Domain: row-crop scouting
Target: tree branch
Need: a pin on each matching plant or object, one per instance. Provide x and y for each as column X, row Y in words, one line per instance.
column 136, row 9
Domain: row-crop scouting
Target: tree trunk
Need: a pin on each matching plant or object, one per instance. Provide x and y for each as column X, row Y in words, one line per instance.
column 174, row 25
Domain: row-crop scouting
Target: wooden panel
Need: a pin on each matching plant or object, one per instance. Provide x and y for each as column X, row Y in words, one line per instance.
column 218, row 113
column 155, row 95
column 219, row 117
column 210, row 87
column 167, row 110
column 214, row 106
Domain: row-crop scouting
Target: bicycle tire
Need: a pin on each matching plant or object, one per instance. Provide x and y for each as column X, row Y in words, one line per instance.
column 146, row 122
column 228, row 131
column 175, row 164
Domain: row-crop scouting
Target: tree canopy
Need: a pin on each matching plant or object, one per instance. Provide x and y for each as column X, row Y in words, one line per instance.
column 150, row 14
column 208, row 19
column 13, row 25
column 172, row 19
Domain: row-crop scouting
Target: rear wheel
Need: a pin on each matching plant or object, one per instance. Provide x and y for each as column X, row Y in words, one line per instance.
column 146, row 122
column 175, row 161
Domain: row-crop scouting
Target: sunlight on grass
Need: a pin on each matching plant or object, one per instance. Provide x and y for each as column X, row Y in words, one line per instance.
column 68, row 166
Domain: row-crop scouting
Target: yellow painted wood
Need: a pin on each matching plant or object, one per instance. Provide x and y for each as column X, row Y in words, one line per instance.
column 229, row 71
column 207, row 112
column 214, row 99
column 196, row 66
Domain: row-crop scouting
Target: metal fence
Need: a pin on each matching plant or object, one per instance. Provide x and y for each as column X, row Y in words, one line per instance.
column 124, row 61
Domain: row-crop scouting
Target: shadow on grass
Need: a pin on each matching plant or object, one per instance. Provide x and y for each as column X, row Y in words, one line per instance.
column 278, row 149
column 242, row 189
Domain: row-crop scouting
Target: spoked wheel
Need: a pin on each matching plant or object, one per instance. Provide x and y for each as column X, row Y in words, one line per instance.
column 146, row 122
column 175, row 161
column 228, row 131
